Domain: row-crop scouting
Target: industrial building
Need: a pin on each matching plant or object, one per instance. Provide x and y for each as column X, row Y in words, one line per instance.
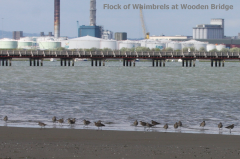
column 161, row 37
column 214, row 30
column 17, row 35
column 107, row 35
column 120, row 36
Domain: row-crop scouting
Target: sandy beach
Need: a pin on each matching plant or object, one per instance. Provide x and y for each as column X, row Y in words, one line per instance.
column 72, row 143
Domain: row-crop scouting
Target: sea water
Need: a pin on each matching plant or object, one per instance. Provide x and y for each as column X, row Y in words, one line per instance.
column 120, row 95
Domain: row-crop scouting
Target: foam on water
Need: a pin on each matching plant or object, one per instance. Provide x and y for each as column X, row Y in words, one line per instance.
column 120, row 95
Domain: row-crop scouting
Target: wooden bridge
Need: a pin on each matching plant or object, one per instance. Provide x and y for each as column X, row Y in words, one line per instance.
column 158, row 58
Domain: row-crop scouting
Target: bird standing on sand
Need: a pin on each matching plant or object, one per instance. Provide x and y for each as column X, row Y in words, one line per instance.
column 86, row 122
column 230, row 127
column 155, row 123
column 5, row 118
column 54, row 119
column 135, row 123
column 41, row 124
column 149, row 125
column 71, row 121
column 99, row 124
column 176, row 125
column 60, row 121
column 203, row 124
column 143, row 123
column 165, row 126
column 220, row 125
column 180, row 124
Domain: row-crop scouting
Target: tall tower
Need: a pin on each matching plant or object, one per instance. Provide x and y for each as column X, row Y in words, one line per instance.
column 93, row 12
column 56, row 18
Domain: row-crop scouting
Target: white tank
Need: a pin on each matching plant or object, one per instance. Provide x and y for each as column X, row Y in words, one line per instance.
column 25, row 44
column 156, row 45
column 211, row 47
column 49, row 45
column 26, row 39
column 128, row 44
column 200, row 45
column 8, row 44
column 220, row 47
column 86, row 42
column 175, row 45
column 110, row 44
column 187, row 45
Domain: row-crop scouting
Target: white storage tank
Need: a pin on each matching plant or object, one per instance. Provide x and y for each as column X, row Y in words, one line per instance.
column 86, row 42
column 210, row 47
column 8, row 44
column 156, row 45
column 128, row 44
column 110, row 44
column 200, row 45
column 187, row 45
column 46, row 45
column 174, row 45
column 25, row 44
column 220, row 47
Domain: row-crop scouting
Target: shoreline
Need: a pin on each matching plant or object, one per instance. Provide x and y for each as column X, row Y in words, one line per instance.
column 78, row 143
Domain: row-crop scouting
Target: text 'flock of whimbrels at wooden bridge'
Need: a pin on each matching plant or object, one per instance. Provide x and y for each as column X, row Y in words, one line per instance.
column 158, row 58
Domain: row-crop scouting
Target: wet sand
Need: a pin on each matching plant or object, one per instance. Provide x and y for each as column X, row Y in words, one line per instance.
column 71, row 143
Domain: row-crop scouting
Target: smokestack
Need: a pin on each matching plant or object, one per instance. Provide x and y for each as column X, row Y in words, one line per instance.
column 56, row 18
column 92, row 12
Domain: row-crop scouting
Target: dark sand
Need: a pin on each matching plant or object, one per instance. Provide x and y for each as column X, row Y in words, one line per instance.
column 71, row 143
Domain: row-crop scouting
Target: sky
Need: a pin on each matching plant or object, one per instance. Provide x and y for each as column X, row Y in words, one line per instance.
column 35, row 16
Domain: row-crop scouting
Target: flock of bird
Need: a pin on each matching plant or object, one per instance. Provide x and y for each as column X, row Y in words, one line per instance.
column 99, row 123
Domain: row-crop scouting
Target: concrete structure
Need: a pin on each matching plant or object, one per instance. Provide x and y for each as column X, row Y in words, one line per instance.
column 174, row 45
column 128, row 44
column 220, row 47
column 57, row 18
column 120, row 36
column 215, row 30
column 107, row 35
column 17, row 35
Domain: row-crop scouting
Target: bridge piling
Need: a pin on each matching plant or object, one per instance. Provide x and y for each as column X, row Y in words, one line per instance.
column 100, row 62
column 223, row 63
column 92, row 62
column 96, row 63
column 215, row 63
column 127, row 63
column 72, row 62
column 30, row 62
column 34, row 62
column 194, row 61
column 152, row 62
column 6, row 62
column 219, row 63
column 156, row 63
column 134, row 63
column 41, row 62
column 190, row 65
column 186, row 63
column 61, row 62
column 65, row 62
column 183, row 63
column 211, row 63
column 104, row 62
column 164, row 63
column 37, row 62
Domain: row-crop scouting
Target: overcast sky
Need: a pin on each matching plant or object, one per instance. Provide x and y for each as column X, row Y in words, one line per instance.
column 34, row 16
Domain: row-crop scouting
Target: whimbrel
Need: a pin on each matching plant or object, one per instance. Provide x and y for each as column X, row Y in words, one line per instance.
column 41, row 124
column 230, row 127
column 97, row 124
column 203, row 124
column 155, row 123
column 143, row 123
column 176, row 125
column 165, row 126
column 5, row 118
column 220, row 125
column 180, row 124
column 86, row 122
column 149, row 125
column 61, row 121
column 135, row 123
column 71, row 121
column 54, row 119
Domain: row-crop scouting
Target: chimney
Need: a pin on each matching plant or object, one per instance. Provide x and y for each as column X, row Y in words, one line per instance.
column 56, row 18
column 92, row 12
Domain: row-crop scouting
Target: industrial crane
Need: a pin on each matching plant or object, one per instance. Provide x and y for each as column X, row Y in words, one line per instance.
column 145, row 33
